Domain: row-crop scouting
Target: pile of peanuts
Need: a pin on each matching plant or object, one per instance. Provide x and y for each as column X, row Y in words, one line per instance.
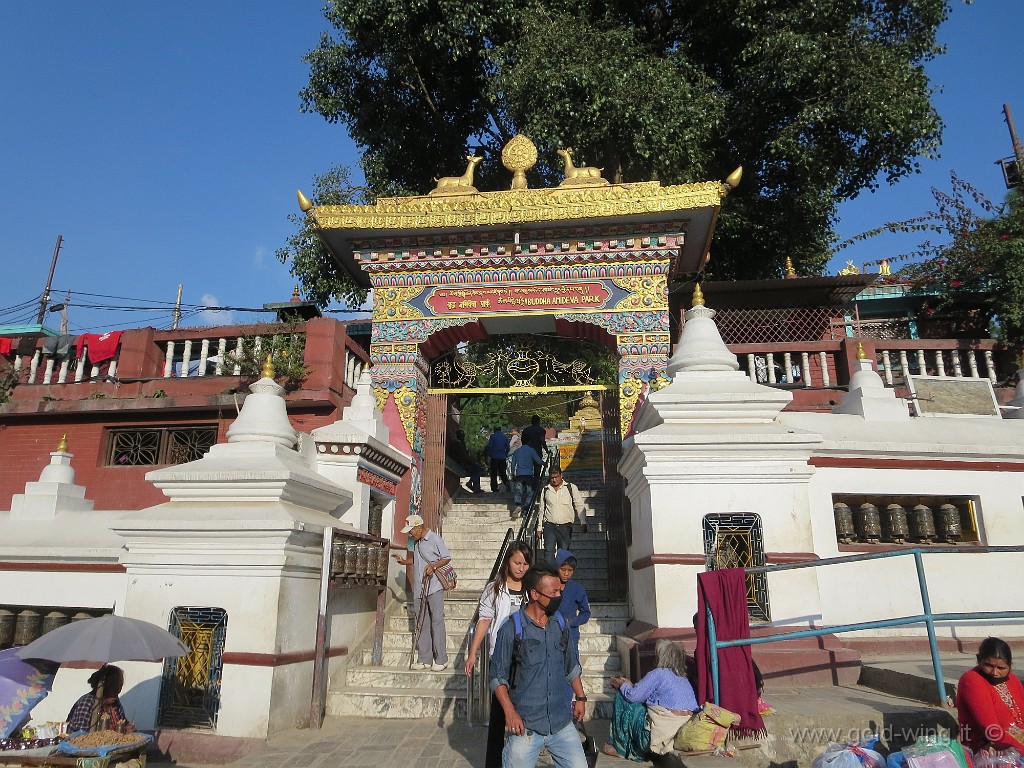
column 104, row 739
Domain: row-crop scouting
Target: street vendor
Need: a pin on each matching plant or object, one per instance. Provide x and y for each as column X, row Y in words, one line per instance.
column 100, row 709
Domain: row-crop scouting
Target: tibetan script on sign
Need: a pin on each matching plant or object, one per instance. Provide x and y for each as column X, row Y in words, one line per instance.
column 517, row 298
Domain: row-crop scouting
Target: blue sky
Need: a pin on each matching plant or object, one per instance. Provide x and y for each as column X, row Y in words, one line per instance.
column 164, row 142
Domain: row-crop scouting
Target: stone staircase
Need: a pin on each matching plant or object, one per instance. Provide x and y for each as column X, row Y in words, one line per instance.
column 474, row 526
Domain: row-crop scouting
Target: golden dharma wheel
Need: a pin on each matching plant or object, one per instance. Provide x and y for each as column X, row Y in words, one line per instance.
column 519, row 156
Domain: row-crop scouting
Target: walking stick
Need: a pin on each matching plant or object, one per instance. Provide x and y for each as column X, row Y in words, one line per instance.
column 421, row 614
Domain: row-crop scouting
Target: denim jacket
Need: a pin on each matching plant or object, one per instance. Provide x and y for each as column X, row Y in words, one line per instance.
column 549, row 660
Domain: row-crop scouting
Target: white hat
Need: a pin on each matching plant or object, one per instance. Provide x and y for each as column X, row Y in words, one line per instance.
column 411, row 522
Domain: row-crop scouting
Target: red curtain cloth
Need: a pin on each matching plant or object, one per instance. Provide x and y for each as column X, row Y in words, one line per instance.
column 102, row 346
column 5, row 347
column 725, row 593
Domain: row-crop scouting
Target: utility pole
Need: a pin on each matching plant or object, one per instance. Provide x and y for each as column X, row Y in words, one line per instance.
column 45, row 298
column 1018, row 150
column 1012, row 168
column 177, row 310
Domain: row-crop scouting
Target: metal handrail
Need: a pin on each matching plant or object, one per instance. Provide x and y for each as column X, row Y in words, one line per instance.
column 926, row 616
column 478, row 699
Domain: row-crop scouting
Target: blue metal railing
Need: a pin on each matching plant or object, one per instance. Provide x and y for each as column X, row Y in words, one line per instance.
column 926, row 616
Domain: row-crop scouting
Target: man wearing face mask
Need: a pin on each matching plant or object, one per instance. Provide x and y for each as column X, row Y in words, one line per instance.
column 533, row 659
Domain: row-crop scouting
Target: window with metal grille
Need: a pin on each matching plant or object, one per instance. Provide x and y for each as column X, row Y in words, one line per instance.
column 147, row 446
column 735, row 541
column 190, row 684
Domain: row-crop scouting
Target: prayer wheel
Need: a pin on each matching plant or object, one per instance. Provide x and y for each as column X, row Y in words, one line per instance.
column 362, row 556
column 896, row 523
column 870, row 523
column 351, row 557
column 27, row 627
column 81, row 615
column 845, row 532
column 337, row 558
column 382, row 563
column 923, row 524
column 949, row 523
column 7, row 621
column 54, row 620
column 372, row 553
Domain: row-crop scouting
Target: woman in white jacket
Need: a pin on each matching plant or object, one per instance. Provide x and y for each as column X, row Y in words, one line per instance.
column 499, row 600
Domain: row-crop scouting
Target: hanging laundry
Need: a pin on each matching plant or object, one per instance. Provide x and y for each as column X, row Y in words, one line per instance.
column 5, row 346
column 102, row 346
column 58, row 346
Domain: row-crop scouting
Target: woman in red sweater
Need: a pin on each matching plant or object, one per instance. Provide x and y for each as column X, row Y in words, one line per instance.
column 990, row 701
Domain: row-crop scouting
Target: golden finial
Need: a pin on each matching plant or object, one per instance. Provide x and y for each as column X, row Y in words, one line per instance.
column 733, row 179
column 698, row 297
column 884, row 270
column 295, row 293
column 268, row 368
column 519, row 156
column 860, row 351
column 790, row 272
column 62, row 446
column 304, row 204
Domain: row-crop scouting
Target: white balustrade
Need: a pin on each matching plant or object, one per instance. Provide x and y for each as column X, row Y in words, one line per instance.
column 752, row 367
column 940, row 364
column 48, row 373
column 62, row 376
column 805, row 361
column 34, row 367
column 826, row 379
column 990, row 366
column 239, row 346
column 222, row 349
column 771, row 368
column 972, row 364
column 169, row 360
column 204, row 355
column 957, row 370
column 186, row 358
column 887, row 367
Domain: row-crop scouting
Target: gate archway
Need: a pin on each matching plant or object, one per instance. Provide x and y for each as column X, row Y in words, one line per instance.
column 586, row 259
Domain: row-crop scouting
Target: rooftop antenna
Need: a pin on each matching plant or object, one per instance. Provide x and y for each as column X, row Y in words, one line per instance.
column 45, row 298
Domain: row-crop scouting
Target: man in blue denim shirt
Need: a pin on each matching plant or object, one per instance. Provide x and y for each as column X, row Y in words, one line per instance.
column 534, row 694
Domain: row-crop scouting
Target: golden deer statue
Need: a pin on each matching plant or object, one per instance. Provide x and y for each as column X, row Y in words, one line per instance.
column 458, row 185
column 579, row 176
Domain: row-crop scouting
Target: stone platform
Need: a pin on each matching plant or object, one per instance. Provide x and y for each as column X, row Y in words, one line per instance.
column 806, row 720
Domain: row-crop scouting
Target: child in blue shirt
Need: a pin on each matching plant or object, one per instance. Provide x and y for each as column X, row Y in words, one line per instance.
column 575, row 607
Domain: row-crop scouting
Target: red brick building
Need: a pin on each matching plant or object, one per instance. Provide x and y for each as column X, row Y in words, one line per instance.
column 164, row 398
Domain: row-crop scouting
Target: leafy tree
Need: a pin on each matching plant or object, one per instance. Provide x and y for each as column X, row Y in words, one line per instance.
column 817, row 99
column 979, row 260
column 320, row 278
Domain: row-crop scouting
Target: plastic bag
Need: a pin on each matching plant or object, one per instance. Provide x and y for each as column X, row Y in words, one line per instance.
column 936, row 752
column 706, row 730
column 1008, row 758
column 850, row 756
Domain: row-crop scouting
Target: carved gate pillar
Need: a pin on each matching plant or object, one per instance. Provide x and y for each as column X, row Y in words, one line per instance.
column 643, row 358
column 399, row 377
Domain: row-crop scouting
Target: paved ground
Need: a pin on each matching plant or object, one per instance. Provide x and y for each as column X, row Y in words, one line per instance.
column 355, row 742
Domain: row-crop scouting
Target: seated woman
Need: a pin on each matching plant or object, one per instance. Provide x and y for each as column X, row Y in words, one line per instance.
column 101, row 709
column 990, row 701
column 647, row 715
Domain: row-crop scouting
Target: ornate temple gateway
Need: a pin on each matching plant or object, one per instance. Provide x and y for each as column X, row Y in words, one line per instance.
column 587, row 260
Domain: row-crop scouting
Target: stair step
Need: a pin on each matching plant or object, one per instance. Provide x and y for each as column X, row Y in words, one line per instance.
column 597, row 624
column 462, row 604
column 397, row 641
column 592, row 663
column 421, row 703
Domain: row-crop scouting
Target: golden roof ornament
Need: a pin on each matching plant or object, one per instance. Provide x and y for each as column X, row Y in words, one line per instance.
column 733, row 179
column 583, row 176
column 458, row 185
column 62, row 446
column 849, row 269
column 861, row 355
column 519, row 156
column 295, row 293
column 304, row 204
column 790, row 272
column 698, row 296
column 884, row 270
column 268, row 367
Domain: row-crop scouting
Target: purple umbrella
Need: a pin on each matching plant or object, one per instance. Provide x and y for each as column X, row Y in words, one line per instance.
column 22, row 686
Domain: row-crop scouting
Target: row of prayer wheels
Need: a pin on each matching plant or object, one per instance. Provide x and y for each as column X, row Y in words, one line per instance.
column 895, row 524
column 20, row 626
column 356, row 561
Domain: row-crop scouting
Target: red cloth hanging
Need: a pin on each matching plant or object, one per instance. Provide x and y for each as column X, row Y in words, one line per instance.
column 725, row 593
column 102, row 346
column 5, row 346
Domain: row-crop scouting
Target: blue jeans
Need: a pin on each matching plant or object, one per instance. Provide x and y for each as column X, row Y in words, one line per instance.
column 564, row 746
